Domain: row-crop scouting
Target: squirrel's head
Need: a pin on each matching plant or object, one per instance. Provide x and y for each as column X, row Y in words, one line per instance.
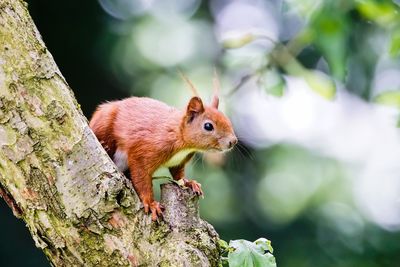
column 206, row 128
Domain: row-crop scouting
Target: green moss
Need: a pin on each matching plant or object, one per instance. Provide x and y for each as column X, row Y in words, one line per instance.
column 8, row 136
column 165, row 263
column 159, row 233
column 6, row 106
column 56, row 112
column 92, row 248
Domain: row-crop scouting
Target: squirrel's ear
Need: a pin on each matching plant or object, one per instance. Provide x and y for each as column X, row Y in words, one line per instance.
column 194, row 107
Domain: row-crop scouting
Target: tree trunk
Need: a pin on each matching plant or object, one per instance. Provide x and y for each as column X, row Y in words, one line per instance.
column 55, row 175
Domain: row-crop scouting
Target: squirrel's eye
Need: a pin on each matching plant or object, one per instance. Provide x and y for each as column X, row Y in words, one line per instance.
column 208, row 126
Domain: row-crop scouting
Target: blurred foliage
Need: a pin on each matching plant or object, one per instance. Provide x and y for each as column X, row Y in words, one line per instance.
column 318, row 176
column 391, row 98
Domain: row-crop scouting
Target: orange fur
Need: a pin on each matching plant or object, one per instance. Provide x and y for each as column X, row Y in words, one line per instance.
column 150, row 133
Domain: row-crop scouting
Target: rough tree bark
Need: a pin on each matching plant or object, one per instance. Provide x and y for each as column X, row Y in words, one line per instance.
column 55, row 175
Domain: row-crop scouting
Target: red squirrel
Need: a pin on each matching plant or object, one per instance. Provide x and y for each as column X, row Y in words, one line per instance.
column 143, row 134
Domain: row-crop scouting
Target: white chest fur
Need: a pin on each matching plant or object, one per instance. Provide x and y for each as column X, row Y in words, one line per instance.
column 178, row 157
column 120, row 159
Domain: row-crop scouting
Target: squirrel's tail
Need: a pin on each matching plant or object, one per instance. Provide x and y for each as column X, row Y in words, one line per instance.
column 102, row 124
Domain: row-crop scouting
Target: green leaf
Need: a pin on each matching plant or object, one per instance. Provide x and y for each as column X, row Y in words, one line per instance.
column 248, row 254
column 331, row 29
column 389, row 98
column 264, row 244
column 273, row 82
column 320, row 83
column 382, row 12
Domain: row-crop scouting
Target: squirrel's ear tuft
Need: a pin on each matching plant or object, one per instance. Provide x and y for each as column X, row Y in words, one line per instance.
column 216, row 86
column 215, row 101
column 194, row 107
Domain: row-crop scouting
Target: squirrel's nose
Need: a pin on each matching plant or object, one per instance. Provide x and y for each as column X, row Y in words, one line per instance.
column 233, row 142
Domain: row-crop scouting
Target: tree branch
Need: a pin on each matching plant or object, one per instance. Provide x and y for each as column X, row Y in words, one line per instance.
column 54, row 173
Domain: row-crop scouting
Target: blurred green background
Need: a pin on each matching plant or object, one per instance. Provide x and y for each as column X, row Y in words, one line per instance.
column 310, row 85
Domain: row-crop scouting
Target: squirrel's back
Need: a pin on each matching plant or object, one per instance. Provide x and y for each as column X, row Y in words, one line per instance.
column 118, row 124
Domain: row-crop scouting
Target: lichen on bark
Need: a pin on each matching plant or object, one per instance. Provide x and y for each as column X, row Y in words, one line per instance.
column 55, row 175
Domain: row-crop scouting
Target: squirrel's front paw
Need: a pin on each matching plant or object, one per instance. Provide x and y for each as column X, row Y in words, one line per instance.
column 195, row 186
column 155, row 208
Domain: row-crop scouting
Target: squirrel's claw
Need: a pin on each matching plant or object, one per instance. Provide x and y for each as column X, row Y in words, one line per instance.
column 195, row 186
column 155, row 208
